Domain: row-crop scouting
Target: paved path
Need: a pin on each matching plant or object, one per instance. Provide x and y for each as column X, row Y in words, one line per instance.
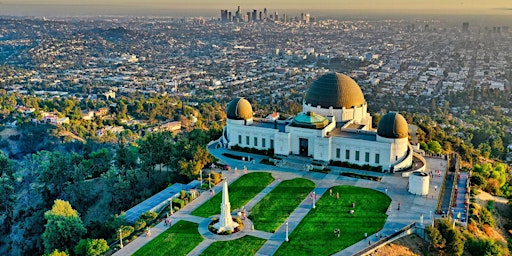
column 460, row 197
column 412, row 207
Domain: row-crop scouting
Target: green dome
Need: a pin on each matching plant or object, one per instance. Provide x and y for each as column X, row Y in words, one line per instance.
column 310, row 120
column 335, row 90
column 393, row 125
column 239, row 109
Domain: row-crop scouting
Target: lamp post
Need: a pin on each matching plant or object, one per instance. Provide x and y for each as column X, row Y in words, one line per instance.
column 286, row 239
column 201, row 178
column 170, row 204
column 431, row 218
column 120, row 238
column 314, row 199
column 209, row 180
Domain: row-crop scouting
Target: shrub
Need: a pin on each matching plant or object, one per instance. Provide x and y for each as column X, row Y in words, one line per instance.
column 216, row 177
column 176, row 202
column 488, row 230
column 126, row 231
column 139, row 224
column 484, row 247
column 91, row 247
column 490, row 205
column 486, row 217
column 148, row 216
column 266, row 161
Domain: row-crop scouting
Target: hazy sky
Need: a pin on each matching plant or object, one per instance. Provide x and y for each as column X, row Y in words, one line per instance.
column 18, row 7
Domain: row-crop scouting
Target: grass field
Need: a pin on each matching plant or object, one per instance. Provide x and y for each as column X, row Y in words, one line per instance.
column 179, row 239
column 276, row 206
column 315, row 233
column 247, row 245
column 241, row 192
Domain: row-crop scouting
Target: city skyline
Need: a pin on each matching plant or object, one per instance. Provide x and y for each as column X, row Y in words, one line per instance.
column 202, row 7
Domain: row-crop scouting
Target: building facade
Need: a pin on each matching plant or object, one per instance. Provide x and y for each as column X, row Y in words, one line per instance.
column 334, row 125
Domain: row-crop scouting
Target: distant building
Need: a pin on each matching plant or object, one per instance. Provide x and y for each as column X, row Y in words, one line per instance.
column 274, row 116
column 465, row 27
column 169, row 127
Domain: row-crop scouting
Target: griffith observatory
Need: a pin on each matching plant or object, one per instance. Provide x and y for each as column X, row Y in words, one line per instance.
column 334, row 125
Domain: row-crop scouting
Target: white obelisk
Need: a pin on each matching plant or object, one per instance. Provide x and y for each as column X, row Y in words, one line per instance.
column 226, row 222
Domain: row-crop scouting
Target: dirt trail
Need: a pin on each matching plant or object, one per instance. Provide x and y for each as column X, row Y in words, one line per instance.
column 406, row 246
column 501, row 212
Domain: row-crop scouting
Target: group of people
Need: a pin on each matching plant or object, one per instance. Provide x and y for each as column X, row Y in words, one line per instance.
column 167, row 222
column 337, row 194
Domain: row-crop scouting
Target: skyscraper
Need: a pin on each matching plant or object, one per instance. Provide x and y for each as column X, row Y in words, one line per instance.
column 224, row 15
column 465, row 27
column 254, row 15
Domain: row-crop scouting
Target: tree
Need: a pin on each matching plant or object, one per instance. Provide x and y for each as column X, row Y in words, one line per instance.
column 435, row 237
column 484, row 247
column 435, row 147
column 57, row 253
column 455, row 242
column 91, row 247
column 63, row 228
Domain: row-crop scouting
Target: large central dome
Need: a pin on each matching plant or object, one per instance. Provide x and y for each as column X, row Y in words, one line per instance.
column 335, row 90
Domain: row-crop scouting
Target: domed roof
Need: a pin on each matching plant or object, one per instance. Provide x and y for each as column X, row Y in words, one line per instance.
column 239, row 109
column 310, row 120
column 393, row 125
column 335, row 90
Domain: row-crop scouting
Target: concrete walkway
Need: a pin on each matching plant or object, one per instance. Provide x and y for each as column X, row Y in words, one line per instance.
column 459, row 208
column 412, row 207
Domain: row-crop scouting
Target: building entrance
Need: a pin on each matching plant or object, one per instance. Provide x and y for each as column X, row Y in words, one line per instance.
column 303, row 147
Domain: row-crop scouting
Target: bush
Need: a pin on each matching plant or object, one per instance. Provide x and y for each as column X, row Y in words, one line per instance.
column 266, row 161
column 490, row 205
column 148, row 217
column 139, row 224
column 91, row 247
column 126, row 231
column 216, row 178
column 484, row 247
column 361, row 176
column 325, row 170
column 486, row 217
column 176, row 202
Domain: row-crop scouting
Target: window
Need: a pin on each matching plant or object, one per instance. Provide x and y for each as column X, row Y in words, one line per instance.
column 367, row 157
column 357, row 155
column 247, row 140
column 263, row 142
column 255, row 141
column 347, row 154
column 271, row 143
column 338, row 153
column 239, row 139
column 377, row 158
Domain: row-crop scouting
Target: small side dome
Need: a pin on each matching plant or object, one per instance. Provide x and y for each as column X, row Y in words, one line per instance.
column 310, row 120
column 393, row 126
column 239, row 109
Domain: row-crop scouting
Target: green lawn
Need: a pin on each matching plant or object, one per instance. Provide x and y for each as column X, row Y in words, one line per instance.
column 240, row 193
column 179, row 239
column 315, row 234
column 274, row 208
column 247, row 245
